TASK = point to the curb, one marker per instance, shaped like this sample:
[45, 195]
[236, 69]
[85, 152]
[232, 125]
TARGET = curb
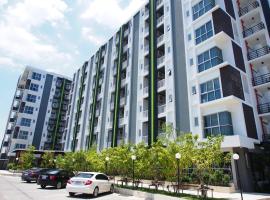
[11, 174]
[145, 195]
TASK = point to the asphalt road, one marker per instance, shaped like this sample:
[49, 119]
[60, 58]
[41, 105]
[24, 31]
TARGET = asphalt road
[12, 188]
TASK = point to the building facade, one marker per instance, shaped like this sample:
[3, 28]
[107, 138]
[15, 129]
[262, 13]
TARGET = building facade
[38, 112]
[134, 83]
[199, 65]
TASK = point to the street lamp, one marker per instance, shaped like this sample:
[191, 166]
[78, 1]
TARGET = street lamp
[133, 157]
[178, 156]
[106, 164]
[236, 158]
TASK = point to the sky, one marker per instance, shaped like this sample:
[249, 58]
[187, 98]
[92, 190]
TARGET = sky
[55, 35]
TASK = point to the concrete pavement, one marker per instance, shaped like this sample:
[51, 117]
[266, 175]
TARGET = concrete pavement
[12, 188]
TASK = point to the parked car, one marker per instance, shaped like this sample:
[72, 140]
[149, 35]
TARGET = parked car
[89, 183]
[54, 177]
[32, 174]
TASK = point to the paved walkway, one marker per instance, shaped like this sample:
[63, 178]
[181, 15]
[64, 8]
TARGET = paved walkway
[9, 173]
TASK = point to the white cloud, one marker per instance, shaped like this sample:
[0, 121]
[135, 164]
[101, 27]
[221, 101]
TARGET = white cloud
[109, 12]
[19, 46]
[89, 35]
[30, 13]
[3, 2]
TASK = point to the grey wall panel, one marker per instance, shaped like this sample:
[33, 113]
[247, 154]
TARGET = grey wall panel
[134, 78]
[180, 75]
[42, 111]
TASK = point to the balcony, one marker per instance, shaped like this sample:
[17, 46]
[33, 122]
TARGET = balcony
[160, 20]
[68, 87]
[124, 64]
[161, 83]
[58, 83]
[67, 97]
[145, 113]
[146, 68]
[159, 2]
[12, 119]
[55, 105]
[18, 96]
[248, 8]
[121, 120]
[126, 32]
[146, 30]
[15, 107]
[125, 48]
[262, 79]
[160, 39]
[50, 128]
[122, 101]
[263, 108]
[146, 48]
[9, 131]
[258, 52]
[5, 144]
[146, 14]
[160, 60]
[145, 90]
[249, 31]
[161, 109]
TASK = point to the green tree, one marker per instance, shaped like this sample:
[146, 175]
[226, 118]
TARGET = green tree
[27, 159]
[47, 160]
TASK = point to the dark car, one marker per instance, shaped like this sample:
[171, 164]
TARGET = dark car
[32, 174]
[54, 177]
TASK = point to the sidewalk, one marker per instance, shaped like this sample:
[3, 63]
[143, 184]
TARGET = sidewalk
[8, 173]
[231, 196]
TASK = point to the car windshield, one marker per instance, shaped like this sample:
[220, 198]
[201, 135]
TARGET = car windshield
[84, 175]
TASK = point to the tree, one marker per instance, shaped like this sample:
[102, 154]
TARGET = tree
[47, 160]
[27, 159]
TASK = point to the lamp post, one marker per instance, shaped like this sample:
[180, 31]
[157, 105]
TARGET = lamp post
[178, 156]
[133, 157]
[106, 164]
[236, 158]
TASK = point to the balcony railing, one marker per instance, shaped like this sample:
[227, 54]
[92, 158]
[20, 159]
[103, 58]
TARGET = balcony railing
[122, 101]
[249, 31]
[160, 20]
[263, 108]
[161, 109]
[159, 2]
[262, 79]
[146, 48]
[145, 90]
[146, 30]
[145, 113]
[160, 39]
[146, 68]
[160, 60]
[249, 7]
[161, 83]
[125, 48]
[258, 52]
[125, 64]
[121, 120]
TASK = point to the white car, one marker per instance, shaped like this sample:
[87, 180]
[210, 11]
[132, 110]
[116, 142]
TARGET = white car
[89, 183]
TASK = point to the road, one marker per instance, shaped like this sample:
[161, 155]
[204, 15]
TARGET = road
[12, 188]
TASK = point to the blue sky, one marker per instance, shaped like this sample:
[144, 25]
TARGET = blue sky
[55, 35]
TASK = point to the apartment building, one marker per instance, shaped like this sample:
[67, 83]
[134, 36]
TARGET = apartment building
[38, 112]
[133, 84]
[200, 65]
[227, 55]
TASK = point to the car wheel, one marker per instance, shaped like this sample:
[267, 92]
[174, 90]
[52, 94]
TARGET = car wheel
[112, 189]
[42, 186]
[95, 193]
[59, 185]
[71, 194]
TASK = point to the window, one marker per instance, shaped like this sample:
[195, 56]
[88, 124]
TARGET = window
[28, 110]
[36, 76]
[194, 90]
[34, 87]
[23, 135]
[209, 59]
[204, 32]
[202, 7]
[196, 121]
[26, 122]
[20, 146]
[218, 124]
[189, 37]
[31, 98]
[210, 90]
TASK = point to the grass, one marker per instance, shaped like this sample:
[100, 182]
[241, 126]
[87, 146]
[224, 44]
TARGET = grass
[182, 195]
